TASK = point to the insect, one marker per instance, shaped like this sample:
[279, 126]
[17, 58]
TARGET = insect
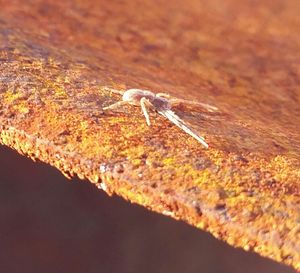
[162, 103]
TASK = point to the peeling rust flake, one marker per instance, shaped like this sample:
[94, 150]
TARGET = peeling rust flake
[60, 62]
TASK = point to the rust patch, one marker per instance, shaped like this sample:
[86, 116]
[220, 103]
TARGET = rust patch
[57, 60]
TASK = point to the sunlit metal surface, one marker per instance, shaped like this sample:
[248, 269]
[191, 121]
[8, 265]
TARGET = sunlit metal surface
[58, 60]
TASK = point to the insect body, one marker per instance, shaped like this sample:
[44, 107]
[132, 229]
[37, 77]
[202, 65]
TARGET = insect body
[162, 103]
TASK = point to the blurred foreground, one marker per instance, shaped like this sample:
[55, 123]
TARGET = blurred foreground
[49, 224]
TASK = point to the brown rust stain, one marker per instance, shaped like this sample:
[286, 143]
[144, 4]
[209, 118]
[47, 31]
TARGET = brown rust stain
[56, 60]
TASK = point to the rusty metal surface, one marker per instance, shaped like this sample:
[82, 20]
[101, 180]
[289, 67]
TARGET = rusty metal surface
[57, 59]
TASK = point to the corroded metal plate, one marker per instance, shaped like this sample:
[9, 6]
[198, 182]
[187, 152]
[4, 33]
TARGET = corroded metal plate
[59, 59]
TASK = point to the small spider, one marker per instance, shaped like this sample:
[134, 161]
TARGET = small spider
[162, 103]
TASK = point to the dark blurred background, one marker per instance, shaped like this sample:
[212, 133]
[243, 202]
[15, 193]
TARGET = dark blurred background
[50, 224]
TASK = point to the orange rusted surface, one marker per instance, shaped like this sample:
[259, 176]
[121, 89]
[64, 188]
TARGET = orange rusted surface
[57, 60]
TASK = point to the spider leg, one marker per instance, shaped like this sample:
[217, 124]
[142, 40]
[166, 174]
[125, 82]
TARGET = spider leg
[115, 105]
[145, 102]
[163, 95]
[171, 116]
[207, 107]
[115, 91]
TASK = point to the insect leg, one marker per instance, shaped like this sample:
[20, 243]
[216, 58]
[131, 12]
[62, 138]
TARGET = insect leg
[145, 102]
[171, 116]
